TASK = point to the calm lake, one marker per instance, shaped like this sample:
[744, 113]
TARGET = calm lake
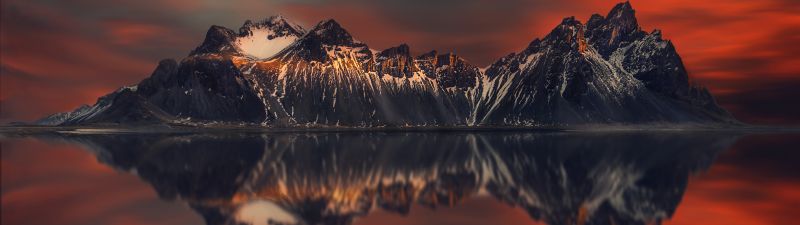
[401, 178]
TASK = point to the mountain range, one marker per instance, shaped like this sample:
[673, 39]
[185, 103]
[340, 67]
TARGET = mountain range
[274, 73]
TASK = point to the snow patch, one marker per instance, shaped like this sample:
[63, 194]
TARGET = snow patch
[263, 43]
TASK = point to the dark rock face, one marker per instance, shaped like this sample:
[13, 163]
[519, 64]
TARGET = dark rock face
[218, 40]
[618, 28]
[448, 69]
[60, 118]
[327, 37]
[454, 71]
[207, 87]
[122, 107]
[395, 61]
[159, 79]
[329, 32]
[656, 63]
[428, 63]
[607, 71]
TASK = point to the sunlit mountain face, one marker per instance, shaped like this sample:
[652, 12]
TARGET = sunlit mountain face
[337, 178]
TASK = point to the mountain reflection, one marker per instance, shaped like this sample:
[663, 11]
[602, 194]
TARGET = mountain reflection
[333, 178]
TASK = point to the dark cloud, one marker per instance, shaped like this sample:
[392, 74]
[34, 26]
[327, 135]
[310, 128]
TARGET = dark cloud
[456, 17]
[765, 55]
[54, 61]
[760, 80]
[688, 17]
[770, 101]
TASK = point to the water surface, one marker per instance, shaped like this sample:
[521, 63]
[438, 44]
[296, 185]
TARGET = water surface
[401, 178]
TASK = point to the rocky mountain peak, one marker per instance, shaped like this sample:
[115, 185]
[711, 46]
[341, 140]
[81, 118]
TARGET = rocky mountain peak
[623, 9]
[401, 50]
[396, 61]
[656, 33]
[569, 34]
[218, 39]
[595, 19]
[446, 59]
[427, 63]
[265, 38]
[279, 24]
[260, 39]
[566, 30]
[331, 33]
[454, 71]
[623, 17]
[618, 28]
[323, 41]
[570, 21]
[429, 55]
[450, 58]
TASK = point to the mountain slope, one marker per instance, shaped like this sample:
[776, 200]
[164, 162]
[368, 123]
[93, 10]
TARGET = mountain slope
[274, 73]
[607, 71]
[327, 77]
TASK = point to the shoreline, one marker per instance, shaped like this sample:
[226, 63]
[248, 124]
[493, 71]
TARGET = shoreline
[106, 129]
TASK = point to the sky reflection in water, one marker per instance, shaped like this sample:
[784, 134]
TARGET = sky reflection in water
[401, 178]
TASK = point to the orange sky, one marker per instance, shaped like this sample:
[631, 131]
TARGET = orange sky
[64, 184]
[752, 183]
[57, 55]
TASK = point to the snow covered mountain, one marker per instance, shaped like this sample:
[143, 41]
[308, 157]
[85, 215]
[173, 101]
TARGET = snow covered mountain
[274, 73]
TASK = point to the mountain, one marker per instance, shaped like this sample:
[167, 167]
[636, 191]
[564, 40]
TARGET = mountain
[274, 73]
[556, 178]
[605, 71]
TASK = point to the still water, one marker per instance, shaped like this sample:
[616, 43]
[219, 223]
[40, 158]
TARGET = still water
[402, 178]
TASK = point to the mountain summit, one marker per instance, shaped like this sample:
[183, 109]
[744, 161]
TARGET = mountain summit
[274, 73]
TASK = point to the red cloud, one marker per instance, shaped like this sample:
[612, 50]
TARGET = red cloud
[126, 32]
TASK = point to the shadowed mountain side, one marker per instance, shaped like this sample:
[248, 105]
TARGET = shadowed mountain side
[333, 178]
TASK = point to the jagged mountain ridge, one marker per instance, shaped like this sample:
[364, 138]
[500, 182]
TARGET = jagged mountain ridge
[605, 71]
